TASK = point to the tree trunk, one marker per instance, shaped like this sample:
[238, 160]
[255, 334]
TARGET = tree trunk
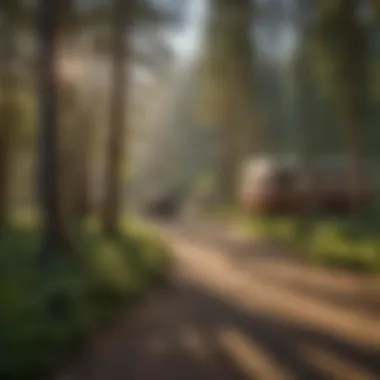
[304, 84]
[350, 122]
[351, 81]
[5, 151]
[345, 43]
[357, 61]
[229, 64]
[55, 238]
[84, 153]
[7, 116]
[6, 126]
[228, 161]
[117, 132]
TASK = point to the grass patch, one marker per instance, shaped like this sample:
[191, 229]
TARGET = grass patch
[44, 312]
[349, 243]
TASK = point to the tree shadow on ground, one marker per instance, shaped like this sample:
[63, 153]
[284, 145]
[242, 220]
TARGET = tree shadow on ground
[366, 299]
[246, 255]
[178, 336]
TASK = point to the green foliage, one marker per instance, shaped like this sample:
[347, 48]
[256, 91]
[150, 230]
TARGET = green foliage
[340, 48]
[45, 311]
[345, 243]
[226, 68]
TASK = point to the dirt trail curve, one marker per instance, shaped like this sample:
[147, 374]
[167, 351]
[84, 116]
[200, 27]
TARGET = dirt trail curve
[242, 311]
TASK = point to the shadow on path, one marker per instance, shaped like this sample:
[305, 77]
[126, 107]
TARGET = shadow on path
[188, 333]
[191, 331]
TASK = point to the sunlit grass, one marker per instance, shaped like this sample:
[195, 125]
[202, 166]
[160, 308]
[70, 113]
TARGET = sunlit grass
[341, 242]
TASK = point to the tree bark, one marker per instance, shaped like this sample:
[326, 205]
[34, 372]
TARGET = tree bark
[229, 65]
[345, 42]
[55, 237]
[310, 192]
[7, 114]
[5, 151]
[350, 122]
[228, 160]
[117, 129]
[84, 153]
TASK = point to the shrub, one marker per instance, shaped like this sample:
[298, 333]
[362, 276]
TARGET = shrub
[45, 311]
[346, 243]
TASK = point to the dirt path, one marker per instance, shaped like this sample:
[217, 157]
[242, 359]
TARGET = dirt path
[238, 311]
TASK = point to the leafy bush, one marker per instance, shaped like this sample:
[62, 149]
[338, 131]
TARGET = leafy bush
[342, 242]
[45, 311]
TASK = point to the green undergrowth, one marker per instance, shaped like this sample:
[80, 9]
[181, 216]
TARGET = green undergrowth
[45, 311]
[349, 243]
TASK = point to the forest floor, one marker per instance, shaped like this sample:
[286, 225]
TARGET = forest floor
[234, 309]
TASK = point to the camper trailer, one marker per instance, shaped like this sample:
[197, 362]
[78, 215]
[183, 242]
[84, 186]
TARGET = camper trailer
[285, 185]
